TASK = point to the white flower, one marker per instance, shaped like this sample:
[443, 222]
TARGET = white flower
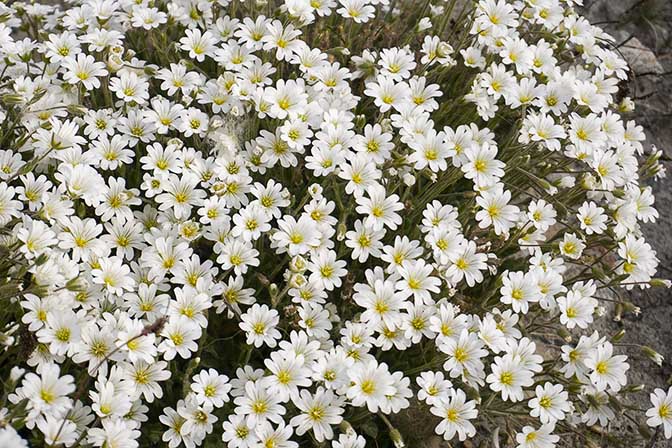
[180, 335]
[211, 387]
[198, 44]
[297, 236]
[550, 403]
[282, 39]
[318, 412]
[288, 373]
[433, 387]
[46, 393]
[464, 355]
[466, 264]
[382, 302]
[129, 87]
[277, 437]
[358, 10]
[364, 241]
[537, 438]
[56, 431]
[661, 411]
[417, 280]
[518, 290]
[259, 405]
[430, 150]
[84, 69]
[509, 377]
[455, 412]
[496, 210]
[259, 324]
[572, 246]
[576, 309]
[238, 433]
[481, 165]
[115, 432]
[381, 210]
[386, 93]
[286, 98]
[607, 370]
[371, 383]
[144, 378]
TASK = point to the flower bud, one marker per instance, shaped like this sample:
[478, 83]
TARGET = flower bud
[263, 279]
[424, 24]
[342, 229]
[12, 98]
[653, 355]
[564, 334]
[633, 388]
[114, 62]
[75, 285]
[360, 121]
[397, 439]
[660, 283]
[315, 191]
[298, 264]
[16, 373]
[41, 259]
[644, 431]
[347, 429]
[76, 109]
[297, 280]
[626, 105]
[618, 336]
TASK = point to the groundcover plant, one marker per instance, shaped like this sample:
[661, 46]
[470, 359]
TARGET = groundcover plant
[279, 224]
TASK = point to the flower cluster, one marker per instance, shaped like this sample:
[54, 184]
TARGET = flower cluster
[271, 222]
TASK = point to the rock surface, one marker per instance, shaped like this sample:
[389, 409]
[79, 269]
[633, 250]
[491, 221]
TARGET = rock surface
[645, 29]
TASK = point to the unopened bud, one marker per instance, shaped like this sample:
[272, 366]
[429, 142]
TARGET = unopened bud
[626, 105]
[598, 273]
[633, 388]
[618, 336]
[618, 312]
[176, 142]
[342, 229]
[397, 439]
[298, 264]
[75, 285]
[644, 431]
[653, 355]
[263, 279]
[360, 121]
[660, 283]
[76, 109]
[574, 388]
[16, 373]
[347, 429]
[41, 259]
[619, 193]
[564, 334]
[297, 280]
[12, 98]
[339, 51]
[613, 401]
